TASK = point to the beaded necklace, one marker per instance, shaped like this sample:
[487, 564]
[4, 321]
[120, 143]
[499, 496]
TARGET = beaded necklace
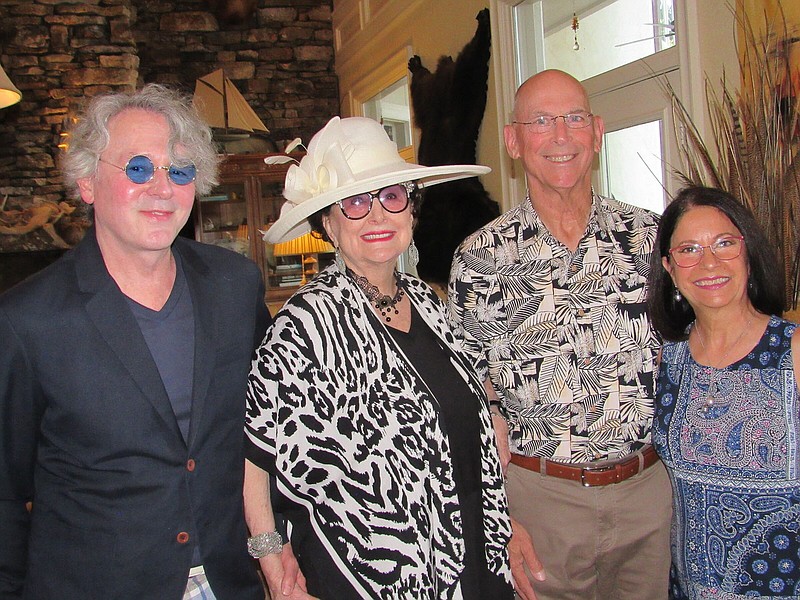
[383, 302]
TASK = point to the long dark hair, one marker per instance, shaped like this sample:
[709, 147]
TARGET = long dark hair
[765, 282]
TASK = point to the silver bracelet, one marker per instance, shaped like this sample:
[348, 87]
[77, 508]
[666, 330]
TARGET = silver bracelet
[262, 544]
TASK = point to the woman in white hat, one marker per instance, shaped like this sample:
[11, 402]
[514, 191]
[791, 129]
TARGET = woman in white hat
[361, 403]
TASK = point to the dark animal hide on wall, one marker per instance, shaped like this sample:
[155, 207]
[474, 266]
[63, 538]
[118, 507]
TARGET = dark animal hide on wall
[448, 109]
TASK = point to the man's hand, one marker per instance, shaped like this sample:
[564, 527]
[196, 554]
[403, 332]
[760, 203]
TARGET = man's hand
[284, 579]
[522, 554]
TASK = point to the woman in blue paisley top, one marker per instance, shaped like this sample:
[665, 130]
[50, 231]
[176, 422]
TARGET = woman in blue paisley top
[727, 420]
[361, 402]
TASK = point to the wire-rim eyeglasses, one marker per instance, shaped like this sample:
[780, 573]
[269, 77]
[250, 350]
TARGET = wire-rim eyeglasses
[393, 199]
[545, 123]
[689, 255]
[140, 169]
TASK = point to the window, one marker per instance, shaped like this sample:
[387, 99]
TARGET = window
[590, 37]
[631, 168]
[384, 95]
[390, 107]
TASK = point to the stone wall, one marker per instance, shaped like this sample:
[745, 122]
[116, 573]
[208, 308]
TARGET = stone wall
[60, 52]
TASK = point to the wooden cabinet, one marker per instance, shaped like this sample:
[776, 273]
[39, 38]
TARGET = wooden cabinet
[248, 199]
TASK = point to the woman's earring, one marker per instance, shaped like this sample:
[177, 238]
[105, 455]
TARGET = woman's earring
[339, 261]
[677, 295]
[413, 254]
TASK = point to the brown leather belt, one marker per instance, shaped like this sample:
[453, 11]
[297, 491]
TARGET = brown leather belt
[591, 474]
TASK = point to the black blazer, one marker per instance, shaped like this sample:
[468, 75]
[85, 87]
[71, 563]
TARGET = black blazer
[88, 434]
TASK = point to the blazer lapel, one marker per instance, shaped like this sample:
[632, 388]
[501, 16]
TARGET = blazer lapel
[108, 310]
[203, 302]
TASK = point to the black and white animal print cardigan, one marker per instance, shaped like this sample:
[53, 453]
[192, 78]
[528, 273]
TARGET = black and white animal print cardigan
[356, 439]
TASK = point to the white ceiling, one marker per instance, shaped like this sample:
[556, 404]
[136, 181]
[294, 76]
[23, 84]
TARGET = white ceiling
[558, 12]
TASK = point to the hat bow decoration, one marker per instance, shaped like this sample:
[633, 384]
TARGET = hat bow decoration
[316, 174]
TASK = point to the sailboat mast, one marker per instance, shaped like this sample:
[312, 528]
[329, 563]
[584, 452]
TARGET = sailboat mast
[225, 100]
[223, 106]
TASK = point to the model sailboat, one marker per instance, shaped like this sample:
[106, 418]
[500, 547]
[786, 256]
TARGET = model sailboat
[223, 107]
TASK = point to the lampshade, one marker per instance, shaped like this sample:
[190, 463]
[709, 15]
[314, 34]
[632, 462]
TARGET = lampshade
[9, 94]
[305, 244]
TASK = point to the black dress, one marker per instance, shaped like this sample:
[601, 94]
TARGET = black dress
[459, 414]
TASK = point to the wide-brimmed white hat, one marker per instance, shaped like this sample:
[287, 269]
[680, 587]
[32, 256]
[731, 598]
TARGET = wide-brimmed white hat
[348, 157]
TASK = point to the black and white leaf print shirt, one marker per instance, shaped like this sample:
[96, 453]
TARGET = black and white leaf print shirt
[563, 335]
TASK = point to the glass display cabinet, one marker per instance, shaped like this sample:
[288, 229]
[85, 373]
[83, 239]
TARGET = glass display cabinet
[246, 202]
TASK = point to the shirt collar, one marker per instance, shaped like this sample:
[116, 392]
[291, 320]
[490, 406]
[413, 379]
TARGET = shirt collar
[601, 217]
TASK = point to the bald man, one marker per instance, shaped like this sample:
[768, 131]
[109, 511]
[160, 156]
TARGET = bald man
[551, 299]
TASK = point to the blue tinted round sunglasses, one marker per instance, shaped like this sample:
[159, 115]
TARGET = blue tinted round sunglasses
[140, 169]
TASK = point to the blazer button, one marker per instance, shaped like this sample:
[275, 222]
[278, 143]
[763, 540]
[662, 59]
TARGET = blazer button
[190, 465]
[182, 537]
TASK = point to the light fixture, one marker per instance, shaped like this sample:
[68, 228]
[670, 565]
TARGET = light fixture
[64, 143]
[9, 94]
[64, 136]
[302, 246]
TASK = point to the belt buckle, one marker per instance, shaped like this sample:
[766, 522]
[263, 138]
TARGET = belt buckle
[597, 469]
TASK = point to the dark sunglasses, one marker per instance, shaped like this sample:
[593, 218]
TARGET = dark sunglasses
[140, 169]
[393, 198]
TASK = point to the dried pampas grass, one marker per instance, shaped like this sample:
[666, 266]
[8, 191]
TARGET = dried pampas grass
[752, 151]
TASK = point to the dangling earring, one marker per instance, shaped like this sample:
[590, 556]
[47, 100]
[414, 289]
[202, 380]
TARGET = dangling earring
[677, 295]
[413, 254]
[339, 261]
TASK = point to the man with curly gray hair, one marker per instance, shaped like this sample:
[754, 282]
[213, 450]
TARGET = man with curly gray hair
[189, 141]
[123, 378]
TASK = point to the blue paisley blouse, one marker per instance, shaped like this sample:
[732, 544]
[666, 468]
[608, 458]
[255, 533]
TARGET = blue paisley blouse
[734, 468]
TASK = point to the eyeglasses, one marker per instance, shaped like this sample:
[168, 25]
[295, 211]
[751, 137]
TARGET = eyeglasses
[393, 198]
[140, 169]
[688, 255]
[545, 123]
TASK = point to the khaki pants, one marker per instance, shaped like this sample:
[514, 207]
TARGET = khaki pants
[599, 543]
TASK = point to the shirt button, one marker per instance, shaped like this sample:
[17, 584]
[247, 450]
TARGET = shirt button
[182, 537]
[190, 465]
[586, 361]
[581, 312]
